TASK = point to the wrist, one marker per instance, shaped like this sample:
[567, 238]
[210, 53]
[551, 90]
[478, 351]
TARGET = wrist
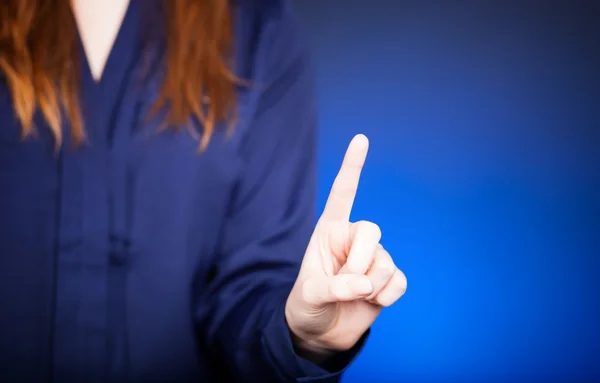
[310, 350]
[307, 346]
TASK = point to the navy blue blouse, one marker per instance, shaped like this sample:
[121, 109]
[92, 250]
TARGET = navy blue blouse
[136, 259]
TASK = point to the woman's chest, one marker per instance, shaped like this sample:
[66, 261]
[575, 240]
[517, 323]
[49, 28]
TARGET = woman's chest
[131, 180]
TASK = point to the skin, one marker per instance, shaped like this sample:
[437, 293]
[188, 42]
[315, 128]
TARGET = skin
[346, 277]
[98, 22]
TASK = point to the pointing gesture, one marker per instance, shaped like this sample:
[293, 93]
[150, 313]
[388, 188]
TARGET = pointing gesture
[346, 277]
[341, 198]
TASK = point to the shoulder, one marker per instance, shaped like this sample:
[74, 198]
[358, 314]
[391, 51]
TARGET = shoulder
[272, 55]
[265, 9]
[267, 35]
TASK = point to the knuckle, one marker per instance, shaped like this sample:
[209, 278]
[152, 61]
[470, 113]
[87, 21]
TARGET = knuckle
[383, 272]
[342, 190]
[394, 291]
[338, 288]
[385, 261]
[389, 271]
[308, 291]
[384, 257]
[333, 291]
[399, 283]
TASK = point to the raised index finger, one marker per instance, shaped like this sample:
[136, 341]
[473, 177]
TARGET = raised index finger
[342, 194]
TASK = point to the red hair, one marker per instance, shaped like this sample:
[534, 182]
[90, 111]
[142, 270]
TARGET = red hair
[39, 56]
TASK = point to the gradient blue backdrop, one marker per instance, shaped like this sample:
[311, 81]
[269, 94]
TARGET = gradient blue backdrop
[484, 173]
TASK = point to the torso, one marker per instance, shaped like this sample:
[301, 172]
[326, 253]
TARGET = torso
[101, 245]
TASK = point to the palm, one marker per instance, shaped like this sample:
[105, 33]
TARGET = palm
[346, 276]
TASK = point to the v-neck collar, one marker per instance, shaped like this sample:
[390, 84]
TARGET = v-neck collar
[101, 99]
[117, 51]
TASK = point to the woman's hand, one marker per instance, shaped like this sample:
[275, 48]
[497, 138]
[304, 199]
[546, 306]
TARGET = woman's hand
[346, 277]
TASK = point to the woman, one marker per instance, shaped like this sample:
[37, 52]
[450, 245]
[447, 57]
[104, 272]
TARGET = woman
[157, 163]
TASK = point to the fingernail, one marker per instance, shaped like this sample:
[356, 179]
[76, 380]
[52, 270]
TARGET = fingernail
[363, 287]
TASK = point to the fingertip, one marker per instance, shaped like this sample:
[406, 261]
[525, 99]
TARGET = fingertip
[361, 141]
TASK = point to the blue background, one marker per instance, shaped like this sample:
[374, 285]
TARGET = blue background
[484, 174]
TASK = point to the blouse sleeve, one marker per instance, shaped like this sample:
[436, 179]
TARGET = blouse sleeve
[270, 223]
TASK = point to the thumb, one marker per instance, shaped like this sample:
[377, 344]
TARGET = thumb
[337, 288]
